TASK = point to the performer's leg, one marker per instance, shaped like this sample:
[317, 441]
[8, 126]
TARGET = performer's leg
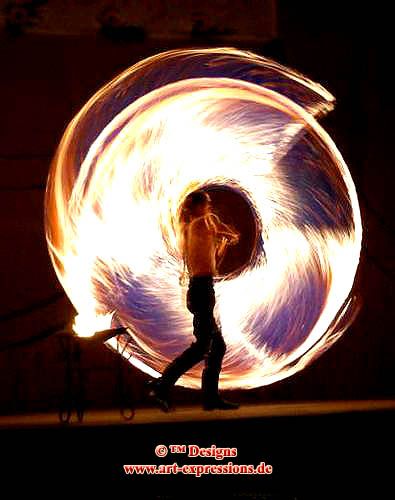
[211, 372]
[210, 346]
[192, 355]
[213, 365]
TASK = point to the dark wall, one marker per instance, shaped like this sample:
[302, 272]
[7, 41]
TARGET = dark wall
[347, 49]
[45, 80]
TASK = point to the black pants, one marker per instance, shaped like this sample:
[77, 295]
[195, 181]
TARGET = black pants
[209, 344]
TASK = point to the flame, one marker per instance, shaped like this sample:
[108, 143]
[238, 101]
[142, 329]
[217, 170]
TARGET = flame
[183, 120]
[86, 325]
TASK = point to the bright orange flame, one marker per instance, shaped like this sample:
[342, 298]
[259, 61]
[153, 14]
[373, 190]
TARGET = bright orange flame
[116, 214]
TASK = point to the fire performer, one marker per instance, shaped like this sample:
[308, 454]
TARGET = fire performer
[204, 241]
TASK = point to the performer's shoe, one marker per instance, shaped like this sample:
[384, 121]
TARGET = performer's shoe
[158, 395]
[220, 404]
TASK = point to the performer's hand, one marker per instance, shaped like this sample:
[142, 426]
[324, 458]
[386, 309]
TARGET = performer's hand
[223, 242]
[234, 239]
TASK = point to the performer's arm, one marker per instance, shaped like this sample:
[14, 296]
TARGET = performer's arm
[224, 230]
[220, 251]
[184, 272]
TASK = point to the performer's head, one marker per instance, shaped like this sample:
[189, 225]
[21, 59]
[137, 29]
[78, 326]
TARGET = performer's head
[196, 204]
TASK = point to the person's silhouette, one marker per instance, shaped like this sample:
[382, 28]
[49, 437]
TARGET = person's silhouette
[204, 241]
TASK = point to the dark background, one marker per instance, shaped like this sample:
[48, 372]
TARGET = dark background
[46, 79]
